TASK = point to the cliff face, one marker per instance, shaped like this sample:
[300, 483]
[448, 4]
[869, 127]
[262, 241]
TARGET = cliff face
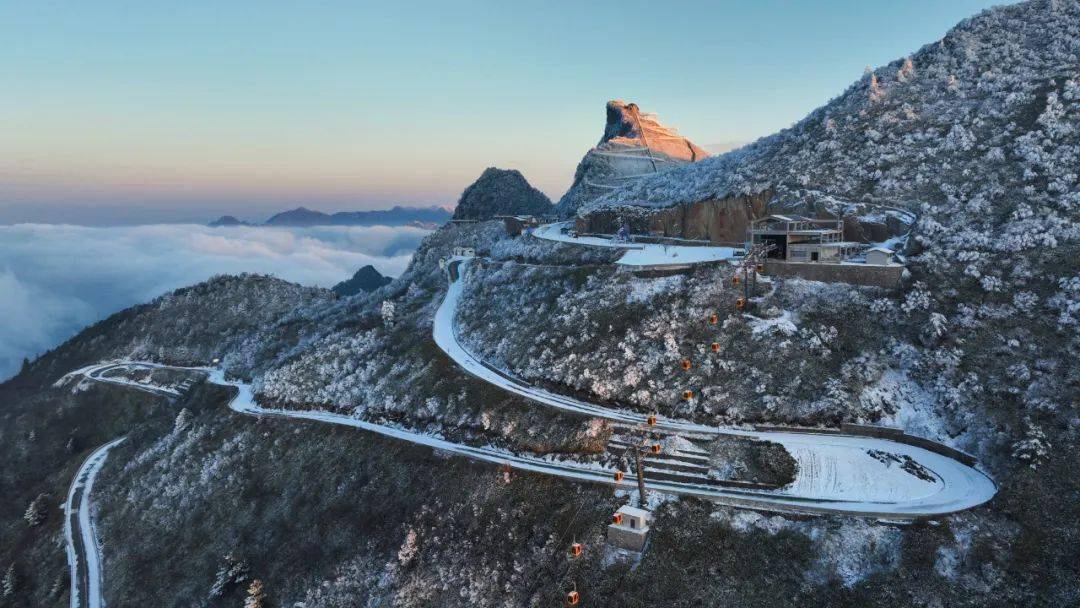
[634, 144]
[501, 192]
[718, 220]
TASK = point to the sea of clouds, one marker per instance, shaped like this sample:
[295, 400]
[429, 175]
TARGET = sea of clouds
[57, 279]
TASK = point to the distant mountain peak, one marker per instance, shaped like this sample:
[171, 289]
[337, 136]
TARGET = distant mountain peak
[227, 220]
[365, 279]
[301, 216]
[501, 192]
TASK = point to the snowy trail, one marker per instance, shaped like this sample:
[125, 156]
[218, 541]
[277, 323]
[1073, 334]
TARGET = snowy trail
[85, 572]
[836, 472]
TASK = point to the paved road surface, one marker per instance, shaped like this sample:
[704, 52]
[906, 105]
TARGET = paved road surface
[83, 552]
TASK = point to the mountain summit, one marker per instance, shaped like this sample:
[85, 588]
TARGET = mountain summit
[501, 192]
[635, 144]
[365, 279]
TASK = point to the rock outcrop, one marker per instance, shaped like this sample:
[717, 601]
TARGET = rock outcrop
[634, 144]
[501, 192]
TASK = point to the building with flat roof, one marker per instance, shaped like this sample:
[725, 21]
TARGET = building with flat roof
[795, 238]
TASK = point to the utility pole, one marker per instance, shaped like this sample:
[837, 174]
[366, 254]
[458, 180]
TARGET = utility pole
[640, 477]
[746, 285]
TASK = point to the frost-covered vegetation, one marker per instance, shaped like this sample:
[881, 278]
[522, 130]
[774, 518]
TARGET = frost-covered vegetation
[976, 134]
[622, 339]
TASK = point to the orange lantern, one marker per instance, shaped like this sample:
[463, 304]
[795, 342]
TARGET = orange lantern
[617, 519]
[686, 365]
[714, 319]
[651, 420]
[618, 476]
[740, 303]
[688, 395]
[656, 448]
[715, 347]
[575, 549]
[735, 280]
[572, 598]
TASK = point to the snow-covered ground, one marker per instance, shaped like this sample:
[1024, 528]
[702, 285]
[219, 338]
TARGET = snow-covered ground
[639, 254]
[88, 586]
[849, 473]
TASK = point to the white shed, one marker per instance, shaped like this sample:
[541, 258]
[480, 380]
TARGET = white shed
[629, 528]
[879, 256]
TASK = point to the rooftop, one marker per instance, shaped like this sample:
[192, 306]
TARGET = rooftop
[634, 511]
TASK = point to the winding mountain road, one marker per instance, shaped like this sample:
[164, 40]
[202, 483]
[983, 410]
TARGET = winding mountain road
[83, 552]
[853, 474]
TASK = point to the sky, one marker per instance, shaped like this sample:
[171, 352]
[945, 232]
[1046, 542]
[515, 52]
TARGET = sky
[143, 111]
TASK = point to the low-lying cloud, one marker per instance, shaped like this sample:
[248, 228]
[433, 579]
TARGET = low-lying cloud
[56, 279]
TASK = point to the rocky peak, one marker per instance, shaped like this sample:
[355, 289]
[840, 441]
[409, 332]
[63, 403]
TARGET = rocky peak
[628, 126]
[635, 144]
[501, 192]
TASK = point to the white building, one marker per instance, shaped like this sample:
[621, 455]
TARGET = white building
[629, 528]
[879, 256]
[465, 252]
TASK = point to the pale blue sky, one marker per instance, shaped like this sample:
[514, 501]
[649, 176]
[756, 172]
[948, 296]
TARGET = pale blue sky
[120, 112]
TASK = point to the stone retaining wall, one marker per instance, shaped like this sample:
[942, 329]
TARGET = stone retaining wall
[872, 275]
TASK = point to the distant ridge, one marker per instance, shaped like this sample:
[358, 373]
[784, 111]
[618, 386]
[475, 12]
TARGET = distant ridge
[421, 217]
[227, 220]
[397, 216]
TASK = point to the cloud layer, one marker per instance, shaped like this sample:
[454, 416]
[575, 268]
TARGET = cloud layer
[56, 279]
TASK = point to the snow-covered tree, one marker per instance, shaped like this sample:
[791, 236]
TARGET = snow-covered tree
[36, 511]
[233, 571]
[387, 311]
[183, 420]
[11, 582]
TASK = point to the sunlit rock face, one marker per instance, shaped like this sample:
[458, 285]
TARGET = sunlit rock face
[634, 144]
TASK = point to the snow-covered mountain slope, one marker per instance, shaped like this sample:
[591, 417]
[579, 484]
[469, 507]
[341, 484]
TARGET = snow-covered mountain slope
[978, 350]
[983, 113]
[634, 145]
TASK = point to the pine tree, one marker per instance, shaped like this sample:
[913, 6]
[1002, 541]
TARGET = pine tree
[11, 582]
[183, 420]
[387, 312]
[35, 513]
